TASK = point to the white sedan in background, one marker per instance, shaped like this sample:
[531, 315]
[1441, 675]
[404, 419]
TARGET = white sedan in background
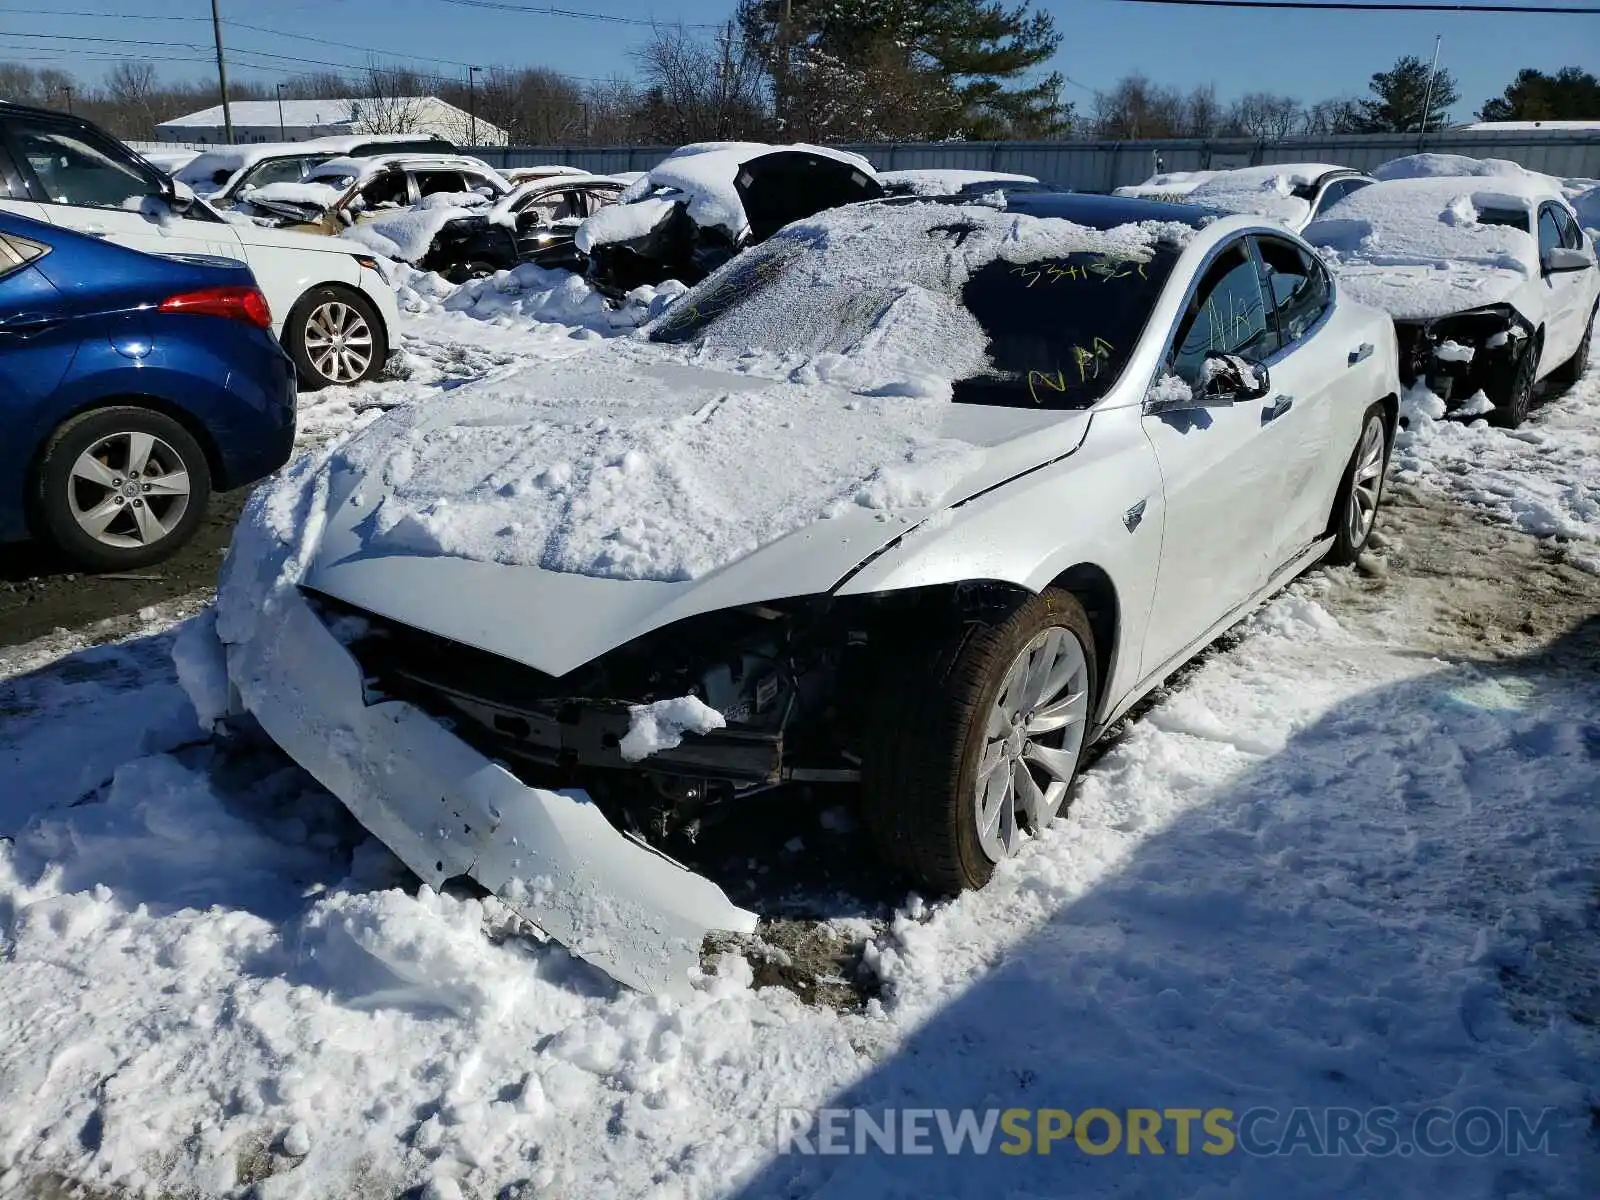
[1491, 282]
[915, 496]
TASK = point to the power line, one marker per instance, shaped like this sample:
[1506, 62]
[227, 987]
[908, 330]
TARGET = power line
[1371, 6]
[576, 14]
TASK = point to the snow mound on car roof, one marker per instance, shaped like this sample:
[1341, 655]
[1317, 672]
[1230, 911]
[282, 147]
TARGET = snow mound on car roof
[1418, 248]
[826, 393]
[1433, 166]
[1267, 191]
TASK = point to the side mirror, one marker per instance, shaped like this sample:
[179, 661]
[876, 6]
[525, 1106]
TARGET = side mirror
[1228, 379]
[1565, 258]
[180, 196]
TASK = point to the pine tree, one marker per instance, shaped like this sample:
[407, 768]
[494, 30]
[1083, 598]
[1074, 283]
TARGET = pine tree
[1571, 94]
[1400, 93]
[966, 61]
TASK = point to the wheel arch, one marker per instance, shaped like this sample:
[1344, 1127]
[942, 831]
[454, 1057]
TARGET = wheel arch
[1094, 588]
[192, 425]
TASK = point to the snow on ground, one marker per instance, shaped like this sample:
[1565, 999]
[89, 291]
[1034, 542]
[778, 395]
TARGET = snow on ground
[1540, 478]
[1274, 891]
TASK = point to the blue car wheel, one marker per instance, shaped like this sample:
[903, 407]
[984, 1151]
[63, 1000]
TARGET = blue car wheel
[121, 487]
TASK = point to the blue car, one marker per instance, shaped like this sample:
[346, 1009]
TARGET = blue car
[131, 385]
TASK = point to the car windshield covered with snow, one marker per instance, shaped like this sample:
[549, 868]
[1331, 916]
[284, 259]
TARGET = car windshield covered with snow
[1023, 308]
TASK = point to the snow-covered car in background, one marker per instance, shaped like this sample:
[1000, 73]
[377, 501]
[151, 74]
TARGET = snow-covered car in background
[918, 496]
[1294, 193]
[1168, 186]
[535, 224]
[533, 174]
[705, 202]
[942, 182]
[167, 160]
[331, 308]
[223, 176]
[1491, 283]
[341, 192]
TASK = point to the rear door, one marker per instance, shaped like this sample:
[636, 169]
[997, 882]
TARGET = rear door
[91, 183]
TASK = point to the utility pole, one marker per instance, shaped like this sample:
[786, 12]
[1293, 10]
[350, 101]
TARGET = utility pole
[1427, 96]
[780, 90]
[282, 137]
[66, 89]
[472, 105]
[222, 72]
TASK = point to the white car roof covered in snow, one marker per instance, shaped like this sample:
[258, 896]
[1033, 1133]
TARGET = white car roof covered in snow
[203, 167]
[1267, 191]
[1167, 184]
[1416, 247]
[363, 169]
[942, 182]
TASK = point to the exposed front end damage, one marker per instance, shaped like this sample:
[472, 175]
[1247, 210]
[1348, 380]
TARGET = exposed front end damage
[1463, 354]
[448, 810]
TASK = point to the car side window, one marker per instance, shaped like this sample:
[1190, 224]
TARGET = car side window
[74, 170]
[1571, 235]
[1331, 195]
[431, 183]
[1549, 231]
[386, 191]
[1297, 288]
[597, 200]
[1227, 315]
[17, 252]
[283, 170]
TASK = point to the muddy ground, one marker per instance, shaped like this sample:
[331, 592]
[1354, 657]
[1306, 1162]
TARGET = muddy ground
[39, 593]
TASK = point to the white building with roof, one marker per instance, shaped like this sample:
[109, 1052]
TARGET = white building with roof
[298, 120]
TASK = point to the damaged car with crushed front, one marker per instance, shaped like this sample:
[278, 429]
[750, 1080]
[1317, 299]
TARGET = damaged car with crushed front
[916, 498]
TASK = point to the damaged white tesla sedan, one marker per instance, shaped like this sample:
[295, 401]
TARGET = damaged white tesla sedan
[916, 496]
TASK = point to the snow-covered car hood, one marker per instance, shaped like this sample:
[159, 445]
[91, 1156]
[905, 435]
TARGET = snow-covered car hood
[1417, 248]
[619, 491]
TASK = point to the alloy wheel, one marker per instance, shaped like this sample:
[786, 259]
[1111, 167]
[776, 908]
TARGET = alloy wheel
[1032, 739]
[1367, 484]
[338, 342]
[128, 490]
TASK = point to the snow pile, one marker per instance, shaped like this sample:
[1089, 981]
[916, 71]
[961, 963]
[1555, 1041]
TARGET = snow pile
[534, 295]
[1276, 190]
[1434, 166]
[619, 465]
[661, 726]
[945, 182]
[313, 195]
[1168, 185]
[1418, 249]
[407, 235]
[1540, 478]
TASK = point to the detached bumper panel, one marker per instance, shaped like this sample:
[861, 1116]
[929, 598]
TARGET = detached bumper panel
[446, 810]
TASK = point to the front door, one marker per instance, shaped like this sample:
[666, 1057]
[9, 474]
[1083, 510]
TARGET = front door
[93, 185]
[1223, 486]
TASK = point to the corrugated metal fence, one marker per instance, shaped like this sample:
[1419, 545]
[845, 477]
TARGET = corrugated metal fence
[1101, 166]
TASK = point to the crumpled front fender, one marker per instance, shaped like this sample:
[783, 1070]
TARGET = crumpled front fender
[448, 811]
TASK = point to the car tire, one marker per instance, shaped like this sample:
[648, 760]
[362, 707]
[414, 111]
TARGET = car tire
[312, 336]
[1511, 388]
[1355, 508]
[942, 718]
[466, 272]
[1569, 372]
[91, 504]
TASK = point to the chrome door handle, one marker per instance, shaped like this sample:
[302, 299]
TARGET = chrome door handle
[1361, 353]
[1280, 405]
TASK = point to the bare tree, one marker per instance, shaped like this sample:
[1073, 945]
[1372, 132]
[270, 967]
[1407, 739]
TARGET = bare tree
[697, 90]
[1265, 115]
[1202, 112]
[131, 87]
[1331, 116]
[391, 101]
[1137, 108]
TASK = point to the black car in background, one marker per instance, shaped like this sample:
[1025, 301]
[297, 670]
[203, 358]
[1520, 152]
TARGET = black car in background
[534, 224]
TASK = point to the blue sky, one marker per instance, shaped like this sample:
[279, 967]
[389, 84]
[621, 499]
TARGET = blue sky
[1312, 55]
